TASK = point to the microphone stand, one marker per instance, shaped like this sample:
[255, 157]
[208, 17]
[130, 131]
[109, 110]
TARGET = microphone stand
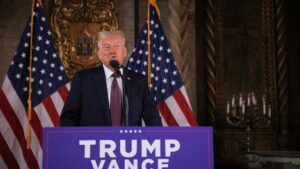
[125, 104]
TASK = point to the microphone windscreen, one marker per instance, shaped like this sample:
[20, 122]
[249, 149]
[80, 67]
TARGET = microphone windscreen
[114, 64]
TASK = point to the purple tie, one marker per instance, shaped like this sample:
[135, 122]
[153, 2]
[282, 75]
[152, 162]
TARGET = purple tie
[115, 102]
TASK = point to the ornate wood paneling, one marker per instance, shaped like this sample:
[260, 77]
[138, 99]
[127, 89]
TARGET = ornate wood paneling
[76, 24]
[245, 51]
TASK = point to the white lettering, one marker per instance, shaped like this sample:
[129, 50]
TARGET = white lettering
[95, 166]
[87, 147]
[171, 146]
[107, 147]
[145, 162]
[113, 165]
[147, 147]
[129, 165]
[162, 163]
[133, 151]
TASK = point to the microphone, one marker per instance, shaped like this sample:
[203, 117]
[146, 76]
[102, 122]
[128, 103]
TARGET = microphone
[114, 64]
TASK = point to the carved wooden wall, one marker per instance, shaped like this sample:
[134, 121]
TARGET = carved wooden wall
[75, 24]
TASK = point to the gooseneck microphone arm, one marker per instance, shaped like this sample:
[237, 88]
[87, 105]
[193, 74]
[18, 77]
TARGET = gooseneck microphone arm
[125, 105]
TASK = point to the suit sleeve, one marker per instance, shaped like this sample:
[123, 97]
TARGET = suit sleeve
[70, 115]
[150, 113]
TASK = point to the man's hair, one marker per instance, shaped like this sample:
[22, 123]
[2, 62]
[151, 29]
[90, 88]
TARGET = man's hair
[103, 34]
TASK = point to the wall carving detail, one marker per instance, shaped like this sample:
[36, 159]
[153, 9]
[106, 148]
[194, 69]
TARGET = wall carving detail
[76, 24]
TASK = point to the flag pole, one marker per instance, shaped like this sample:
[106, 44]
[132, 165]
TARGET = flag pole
[153, 2]
[29, 113]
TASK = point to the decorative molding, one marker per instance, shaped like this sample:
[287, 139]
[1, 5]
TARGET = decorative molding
[282, 68]
[211, 60]
[76, 24]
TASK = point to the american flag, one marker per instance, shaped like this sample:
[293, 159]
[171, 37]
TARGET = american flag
[49, 91]
[166, 84]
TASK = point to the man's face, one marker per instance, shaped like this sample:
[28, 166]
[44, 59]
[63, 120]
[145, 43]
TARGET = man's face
[112, 47]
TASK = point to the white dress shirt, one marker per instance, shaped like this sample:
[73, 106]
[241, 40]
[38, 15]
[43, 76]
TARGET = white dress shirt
[109, 79]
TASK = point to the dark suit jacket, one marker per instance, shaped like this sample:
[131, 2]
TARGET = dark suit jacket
[87, 102]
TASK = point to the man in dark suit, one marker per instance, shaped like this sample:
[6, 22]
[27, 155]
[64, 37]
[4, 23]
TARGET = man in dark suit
[95, 98]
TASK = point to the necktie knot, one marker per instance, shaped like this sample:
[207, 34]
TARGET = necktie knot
[115, 75]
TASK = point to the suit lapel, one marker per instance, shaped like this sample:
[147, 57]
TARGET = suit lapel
[100, 82]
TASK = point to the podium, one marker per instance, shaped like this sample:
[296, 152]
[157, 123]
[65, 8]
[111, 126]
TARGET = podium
[128, 148]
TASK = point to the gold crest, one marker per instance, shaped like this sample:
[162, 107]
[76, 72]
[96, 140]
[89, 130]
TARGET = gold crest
[76, 24]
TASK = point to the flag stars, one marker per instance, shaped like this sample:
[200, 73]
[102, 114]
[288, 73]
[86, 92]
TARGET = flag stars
[39, 92]
[157, 68]
[131, 60]
[144, 73]
[40, 38]
[60, 78]
[28, 34]
[51, 74]
[41, 28]
[18, 76]
[33, 69]
[46, 52]
[12, 63]
[138, 62]
[162, 38]
[166, 70]
[159, 58]
[145, 31]
[161, 48]
[133, 50]
[145, 63]
[167, 60]
[25, 89]
[156, 26]
[152, 75]
[37, 48]
[152, 22]
[61, 68]
[20, 65]
[43, 19]
[49, 32]
[165, 80]
[163, 90]
[41, 82]
[47, 42]
[143, 41]
[42, 71]
[146, 53]
[54, 55]
[26, 45]
[174, 72]
[44, 61]
[52, 65]
[140, 51]
[35, 59]
[173, 83]
[50, 84]
[156, 78]
[23, 55]
[153, 65]
[169, 50]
